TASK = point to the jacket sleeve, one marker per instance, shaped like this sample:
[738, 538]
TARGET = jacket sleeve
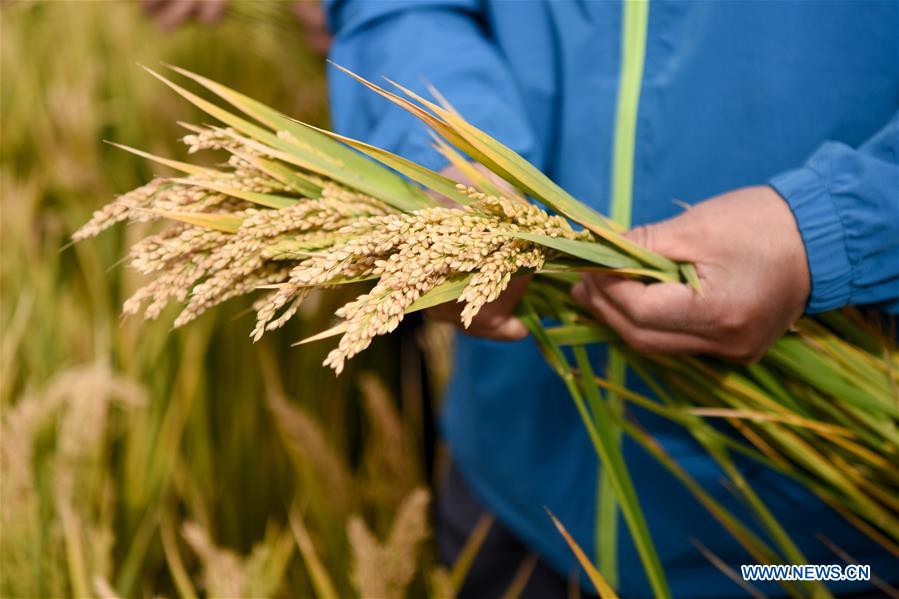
[416, 42]
[846, 203]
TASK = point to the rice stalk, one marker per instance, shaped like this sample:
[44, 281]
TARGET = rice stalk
[306, 440]
[80, 535]
[60, 309]
[439, 584]
[386, 569]
[321, 581]
[295, 211]
[224, 574]
[470, 549]
[388, 449]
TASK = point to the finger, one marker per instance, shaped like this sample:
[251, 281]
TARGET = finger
[210, 11]
[663, 306]
[498, 326]
[508, 328]
[494, 320]
[310, 14]
[508, 300]
[152, 6]
[648, 340]
[672, 238]
[174, 14]
[319, 42]
[315, 28]
[643, 340]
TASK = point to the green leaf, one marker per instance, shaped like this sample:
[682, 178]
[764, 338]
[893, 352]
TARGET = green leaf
[315, 162]
[441, 294]
[184, 167]
[585, 250]
[592, 252]
[516, 170]
[227, 223]
[268, 200]
[470, 550]
[580, 334]
[468, 169]
[811, 367]
[318, 574]
[425, 176]
[308, 135]
[284, 175]
[688, 271]
[571, 267]
[609, 453]
[764, 416]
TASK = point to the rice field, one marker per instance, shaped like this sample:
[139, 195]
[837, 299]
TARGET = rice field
[294, 213]
[137, 462]
[145, 460]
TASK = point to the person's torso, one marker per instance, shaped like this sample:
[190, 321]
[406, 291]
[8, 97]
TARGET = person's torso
[732, 94]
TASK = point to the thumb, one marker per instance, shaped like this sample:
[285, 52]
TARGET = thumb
[667, 237]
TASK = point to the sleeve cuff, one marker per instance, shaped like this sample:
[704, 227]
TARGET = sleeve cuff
[805, 191]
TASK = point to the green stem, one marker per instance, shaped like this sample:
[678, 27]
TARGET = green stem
[634, 23]
[607, 449]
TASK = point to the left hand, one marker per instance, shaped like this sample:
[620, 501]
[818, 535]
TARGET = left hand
[496, 320]
[752, 265]
[170, 14]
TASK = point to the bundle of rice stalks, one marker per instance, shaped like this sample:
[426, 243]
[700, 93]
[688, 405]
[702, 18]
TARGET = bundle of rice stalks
[821, 407]
[297, 209]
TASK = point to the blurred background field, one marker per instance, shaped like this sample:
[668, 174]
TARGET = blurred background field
[141, 462]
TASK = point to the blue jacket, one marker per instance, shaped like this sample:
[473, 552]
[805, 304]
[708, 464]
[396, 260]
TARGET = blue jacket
[800, 95]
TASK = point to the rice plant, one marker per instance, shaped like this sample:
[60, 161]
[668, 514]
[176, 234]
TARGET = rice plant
[297, 209]
[188, 432]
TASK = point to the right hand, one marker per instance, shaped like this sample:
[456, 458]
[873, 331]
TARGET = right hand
[495, 320]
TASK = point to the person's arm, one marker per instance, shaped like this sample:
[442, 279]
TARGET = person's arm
[846, 202]
[819, 237]
[415, 42]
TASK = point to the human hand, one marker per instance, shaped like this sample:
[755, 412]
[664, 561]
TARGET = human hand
[752, 265]
[169, 14]
[312, 19]
[494, 320]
